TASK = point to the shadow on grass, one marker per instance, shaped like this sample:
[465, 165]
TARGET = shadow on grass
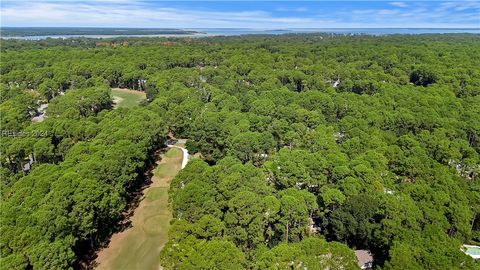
[87, 259]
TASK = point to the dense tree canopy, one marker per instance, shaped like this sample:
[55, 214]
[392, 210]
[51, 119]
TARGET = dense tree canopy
[309, 146]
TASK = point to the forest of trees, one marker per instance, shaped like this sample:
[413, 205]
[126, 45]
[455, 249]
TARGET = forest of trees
[309, 146]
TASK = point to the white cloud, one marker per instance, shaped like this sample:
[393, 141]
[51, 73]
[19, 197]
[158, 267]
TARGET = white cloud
[460, 6]
[372, 13]
[128, 15]
[109, 13]
[399, 4]
[283, 9]
[387, 12]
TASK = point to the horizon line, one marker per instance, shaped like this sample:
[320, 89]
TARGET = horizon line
[270, 28]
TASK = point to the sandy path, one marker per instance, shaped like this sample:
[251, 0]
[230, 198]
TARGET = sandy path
[138, 247]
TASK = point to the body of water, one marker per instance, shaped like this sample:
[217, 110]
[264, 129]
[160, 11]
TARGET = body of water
[369, 31]
[206, 32]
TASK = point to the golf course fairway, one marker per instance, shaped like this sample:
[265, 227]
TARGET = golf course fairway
[138, 247]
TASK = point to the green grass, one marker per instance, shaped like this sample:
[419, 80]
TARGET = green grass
[164, 170]
[173, 153]
[167, 169]
[128, 99]
[144, 254]
[156, 193]
[140, 247]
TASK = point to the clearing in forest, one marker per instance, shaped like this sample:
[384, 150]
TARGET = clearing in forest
[138, 247]
[126, 97]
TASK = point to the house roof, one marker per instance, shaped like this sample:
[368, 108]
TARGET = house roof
[363, 256]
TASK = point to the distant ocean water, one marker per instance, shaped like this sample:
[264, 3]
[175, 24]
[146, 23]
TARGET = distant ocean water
[369, 31]
[206, 32]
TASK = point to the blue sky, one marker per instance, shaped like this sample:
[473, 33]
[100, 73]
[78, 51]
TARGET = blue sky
[240, 14]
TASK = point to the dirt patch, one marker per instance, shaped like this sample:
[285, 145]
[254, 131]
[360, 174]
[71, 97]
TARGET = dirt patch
[129, 91]
[117, 100]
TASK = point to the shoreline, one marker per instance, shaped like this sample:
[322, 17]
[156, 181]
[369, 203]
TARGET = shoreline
[212, 32]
